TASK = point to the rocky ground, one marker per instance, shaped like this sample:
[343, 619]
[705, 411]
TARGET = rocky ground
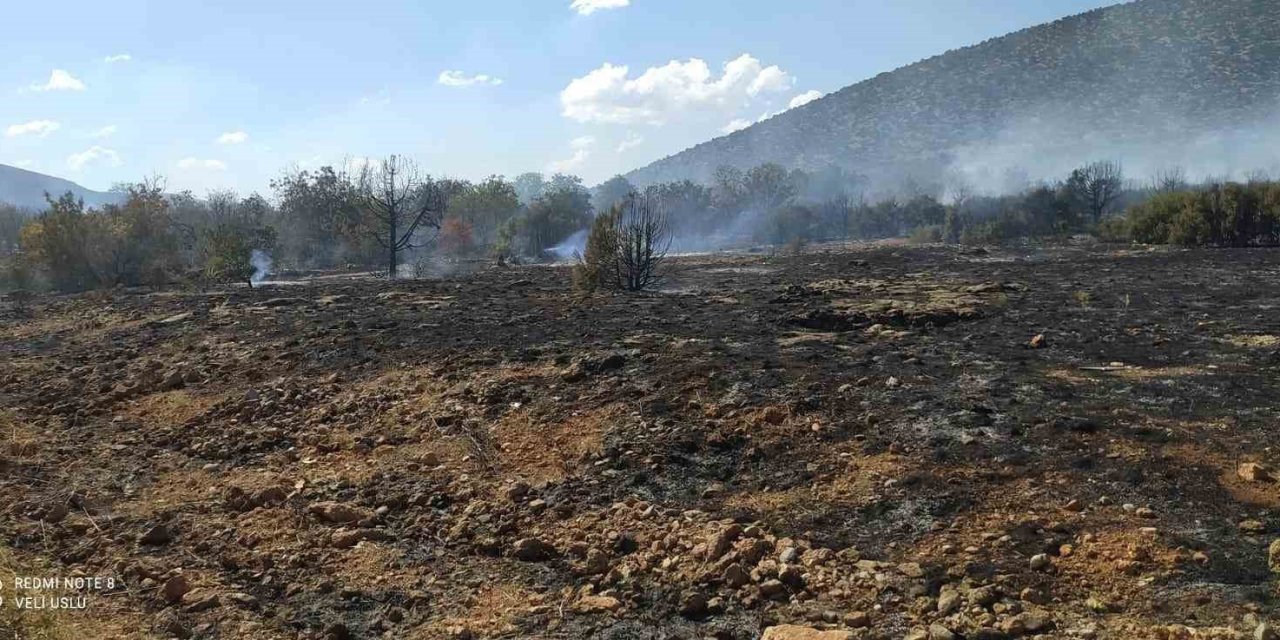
[872, 443]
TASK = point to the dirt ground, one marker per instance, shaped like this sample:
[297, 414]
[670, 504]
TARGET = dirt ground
[891, 442]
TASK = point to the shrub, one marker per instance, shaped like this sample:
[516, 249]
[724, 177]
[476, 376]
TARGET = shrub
[597, 265]
[1228, 214]
[626, 248]
[930, 234]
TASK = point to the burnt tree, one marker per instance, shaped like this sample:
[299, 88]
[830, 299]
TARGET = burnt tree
[402, 200]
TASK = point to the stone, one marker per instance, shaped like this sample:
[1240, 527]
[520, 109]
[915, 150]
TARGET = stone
[857, 620]
[1266, 632]
[337, 631]
[792, 576]
[532, 550]
[168, 622]
[1036, 342]
[735, 576]
[157, 535]
[948, 602]
[175, 588]
[773, 589]
[1255, 472]
[517, 490]
[597, 604]
[340, 513]
[693, 605]
[202, 603]
[939, 632]
[983, 596]
[1040, 562]
[794, 632]
[1274, 557]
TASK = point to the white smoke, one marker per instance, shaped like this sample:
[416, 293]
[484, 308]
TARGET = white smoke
[261, 262]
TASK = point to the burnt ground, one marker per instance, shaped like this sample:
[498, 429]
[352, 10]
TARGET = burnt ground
[1014, 442]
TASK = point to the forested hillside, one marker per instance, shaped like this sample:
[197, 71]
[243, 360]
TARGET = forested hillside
[1147, 82]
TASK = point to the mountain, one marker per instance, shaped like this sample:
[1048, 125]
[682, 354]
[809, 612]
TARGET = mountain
[26, 189]
[1154, 83]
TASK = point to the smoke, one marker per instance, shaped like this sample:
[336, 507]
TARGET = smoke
[1036, 149]
[571, 247]
[261, 262]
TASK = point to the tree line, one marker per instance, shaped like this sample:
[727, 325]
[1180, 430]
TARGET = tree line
[391, 217]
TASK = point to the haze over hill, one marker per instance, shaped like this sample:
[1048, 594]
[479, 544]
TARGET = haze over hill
[1153, 83]
[26, 189]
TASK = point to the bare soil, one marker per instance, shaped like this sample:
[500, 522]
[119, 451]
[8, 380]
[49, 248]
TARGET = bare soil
[879, 442]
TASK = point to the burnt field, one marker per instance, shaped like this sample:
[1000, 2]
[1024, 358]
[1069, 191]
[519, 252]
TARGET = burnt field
[878, 443]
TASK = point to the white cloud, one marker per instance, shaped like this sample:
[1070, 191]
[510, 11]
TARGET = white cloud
[452, 78]
[120, 57]
[60, 80]
[799, 101]
[197, 163]
[632, 141]
[93, 155]
[233, 137]
[105, 132]
[588, 7]
[804, 98]
[608, 94]
[23, 164]
[581, 152]
[40, 128]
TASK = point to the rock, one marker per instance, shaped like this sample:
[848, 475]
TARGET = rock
[346, 538]
[597, 563]
[167, 621]
[1252, 527]
[1040, 562]
[337, 631]
[203, 603]
[792, 577]
[948, 602]
[722, 541]
[268, 496]
[340, 513]
[793, 632]
[1274, 557]
[157, 535]
[939, 632]
[694, 605]
[1074, 506]
[517, 490]
[597, 604]
[242, 600]
[987, 633]
[532, 550]
[773, 589]
[983, 596]
[735, 576]
[1255, 472]
[1037, 341]
[175, 588]
[857, 620]
[1025, 623]
[1266, 632]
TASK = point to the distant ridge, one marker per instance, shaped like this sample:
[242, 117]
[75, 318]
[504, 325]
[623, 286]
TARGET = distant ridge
[26, 189]
[1154, 81]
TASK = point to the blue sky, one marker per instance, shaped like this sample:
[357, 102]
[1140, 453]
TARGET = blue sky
[228, 93]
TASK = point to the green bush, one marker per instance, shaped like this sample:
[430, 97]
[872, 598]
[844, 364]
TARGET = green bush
[1230, 214]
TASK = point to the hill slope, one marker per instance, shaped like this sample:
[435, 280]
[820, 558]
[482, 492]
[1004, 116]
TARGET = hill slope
[26, 189]
[1153, 82]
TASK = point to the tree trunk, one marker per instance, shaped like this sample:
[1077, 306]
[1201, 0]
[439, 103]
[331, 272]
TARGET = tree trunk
[391, 247]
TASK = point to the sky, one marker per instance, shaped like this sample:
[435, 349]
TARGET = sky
[231, 93]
